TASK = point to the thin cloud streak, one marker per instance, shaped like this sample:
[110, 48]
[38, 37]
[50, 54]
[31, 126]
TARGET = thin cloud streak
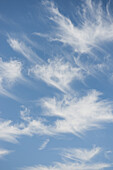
[9, 132]
[44, 144]
[4, 152]
[23, 49]
[72, 166]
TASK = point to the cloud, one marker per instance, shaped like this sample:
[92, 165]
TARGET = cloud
[25, 113]
[108, 154]
[44, 144]
[23, 49]
[72, 166]
[76, 115]
[37, 127]
[11, 70]
[72, 115]
[93, 26]
[40, 34]
[10, 73]
[57, 73]
[83, 155]
[4, 152]
[84, 164]
[9, 132]
[93, 68]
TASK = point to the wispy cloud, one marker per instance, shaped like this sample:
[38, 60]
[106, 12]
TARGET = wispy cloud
[40, 34]
[25, 113]
[108, 154]
[88, 34]
[10, 73]
[4, 152]
[72, 166]
[68, 112]
[44, 144]
[82, 155]
[72, 115]
[77, 115]
[94, 26]
[94, 67]
[85, 163]
[22, 48]
[9, 132]
[11, 70]
[57, 73]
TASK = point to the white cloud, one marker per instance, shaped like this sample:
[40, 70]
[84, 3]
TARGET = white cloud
[37, 127]
[82, 154]
[93, 68]
[4, 152]
[40, 34]
[25, 113]
[72, 115]
[23, 49]
[11, 70]
[10, 73]
[44, 144]
[72, 166]
[94, 27]
[9, 132]
[77, 115]
[57, 73]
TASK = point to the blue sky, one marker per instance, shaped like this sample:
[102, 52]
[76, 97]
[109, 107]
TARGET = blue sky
[56, 84]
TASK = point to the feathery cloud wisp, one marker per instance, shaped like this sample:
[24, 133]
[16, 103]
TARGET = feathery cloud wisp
[72, 166]
[23, 49]
[10, 72]
[72, 115]
[44, 144]
[4, 152]
[84, 164]
[10, 131]
[57, 73]
[77, 115]
[82, 155]
[94, 27]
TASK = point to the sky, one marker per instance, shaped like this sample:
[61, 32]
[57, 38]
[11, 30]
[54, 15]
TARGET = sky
[56, 85]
